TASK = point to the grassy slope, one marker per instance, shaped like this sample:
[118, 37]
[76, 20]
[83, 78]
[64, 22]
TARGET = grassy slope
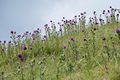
[92, 63]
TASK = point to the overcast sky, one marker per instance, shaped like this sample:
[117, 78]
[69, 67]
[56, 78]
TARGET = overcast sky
[27, 15]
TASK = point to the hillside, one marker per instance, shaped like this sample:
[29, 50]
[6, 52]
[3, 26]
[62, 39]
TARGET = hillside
[75, 52]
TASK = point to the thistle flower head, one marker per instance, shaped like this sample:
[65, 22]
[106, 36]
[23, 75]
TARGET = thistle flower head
[20, 56]
[24, 47]
[64, 47]
[45, 36]
[117, 15]
[12, 32]
[103, 38]
[0, 41]
[18, 36]
[4, 42]
[118, 30]
[72, 39]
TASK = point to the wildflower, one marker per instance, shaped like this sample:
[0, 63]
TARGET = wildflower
[30, 48]
[46, 25]
[94, 12]
[64, 47]
[58, 23]
[103, 38]
[18, 36]
[75, 16]
[24, 47]
[103, 11]
[33, 39]
[85, 39]
[118, 31]
[100, 20]
[96, 23]
[4, 42]
[72, 39]
[12, 32]
[84, 12]
[38, 29]
[63, 17]
[9, 42]
[27, 32]
[60, 29]
[45, 36]
[110, 6]
[20, 56]
[95, 29]
[117, 15]
[81, 13]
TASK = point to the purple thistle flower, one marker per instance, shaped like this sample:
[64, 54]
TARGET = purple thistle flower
[72, 39]
[24, 47]
[110, 6]
[9, 42]
[117, 15]
[0, 42]
[51, 21]
[4, 42]
[45, 36]
[118, 31]
[27, 32]
[103, 38]
[78, 15]
[30, 48]
[81, 13]
[46, 25]
[64, 47]
[84, 12]
[60, 29]
[18, 36]
[63, 17]
[12, 32]
[20, 56]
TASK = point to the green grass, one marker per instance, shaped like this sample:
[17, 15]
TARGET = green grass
[92, 63]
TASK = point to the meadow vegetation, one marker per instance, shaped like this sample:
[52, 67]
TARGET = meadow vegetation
[77, 51]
